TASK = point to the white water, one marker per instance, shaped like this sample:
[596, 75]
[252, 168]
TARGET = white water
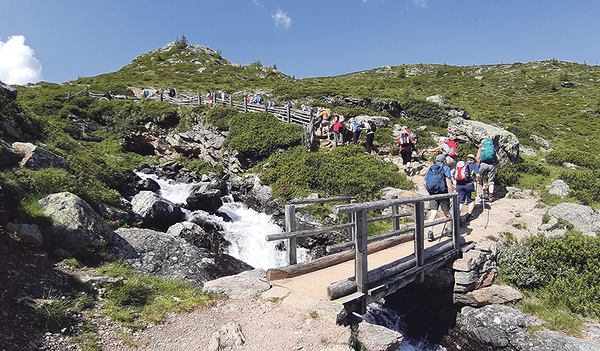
[245, 233]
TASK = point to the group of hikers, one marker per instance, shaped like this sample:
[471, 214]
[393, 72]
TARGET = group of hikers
[334, 126]
[450, 173]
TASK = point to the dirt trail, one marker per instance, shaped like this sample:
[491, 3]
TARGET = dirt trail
[282, 319]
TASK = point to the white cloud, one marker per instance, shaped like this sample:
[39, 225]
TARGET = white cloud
[281, 19]
[17, 63]
[257, 2]
[421, 3]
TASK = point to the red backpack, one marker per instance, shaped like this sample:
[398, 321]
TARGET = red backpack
[453, 150]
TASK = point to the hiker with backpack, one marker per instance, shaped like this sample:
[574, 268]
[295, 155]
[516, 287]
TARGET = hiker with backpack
[339, 129]
[465, 174]
[438, 180]
[370, 128]
[487, 159]
[448, 149]
[356, 129]
[406, 144]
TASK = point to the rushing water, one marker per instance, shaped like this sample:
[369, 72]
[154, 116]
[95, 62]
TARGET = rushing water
[245, 233]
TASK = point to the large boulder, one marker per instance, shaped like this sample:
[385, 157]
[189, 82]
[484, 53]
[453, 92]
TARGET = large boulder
[8, 91]
[75, 223]
[8, 156]
[152, 252]
[499, 327]
[205, 200]
[583, 218]
[469, 131]
[37, 158]
[155, 211]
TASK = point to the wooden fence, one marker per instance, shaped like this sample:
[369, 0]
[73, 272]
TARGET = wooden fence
[369, 286]
[283, 113]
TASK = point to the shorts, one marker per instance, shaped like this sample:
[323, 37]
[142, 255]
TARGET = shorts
[489, 169]
[466, 193]
[444, 204]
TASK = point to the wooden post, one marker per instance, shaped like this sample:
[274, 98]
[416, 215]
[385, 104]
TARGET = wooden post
[419, 232]
[199, 99]
[161, 96]
[361, 266]
[395, 212]
[266, 106]
[290, 226]
[230, 100]
[289, 114]
[351, 219]
[245, 105]
[455, 221]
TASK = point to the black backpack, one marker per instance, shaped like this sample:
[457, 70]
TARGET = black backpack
[372, 126]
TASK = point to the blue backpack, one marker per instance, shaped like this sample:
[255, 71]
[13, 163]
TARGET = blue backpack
[435, 180]
[488, 153]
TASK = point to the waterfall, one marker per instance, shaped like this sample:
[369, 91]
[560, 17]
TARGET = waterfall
[245, 233]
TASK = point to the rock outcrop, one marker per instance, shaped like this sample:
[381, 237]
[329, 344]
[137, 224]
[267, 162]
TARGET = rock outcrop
[583, 218]
[152, 252]
[507, 144]
[75, 223]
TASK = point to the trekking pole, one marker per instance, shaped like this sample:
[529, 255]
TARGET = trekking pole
[487, 218]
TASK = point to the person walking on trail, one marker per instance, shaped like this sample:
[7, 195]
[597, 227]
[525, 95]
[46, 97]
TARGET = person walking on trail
[448, 149]
[339, 128]
[406, 144]
[356, 129]
[370, 128]
[465, 174]
[438, 180]
[487, 159]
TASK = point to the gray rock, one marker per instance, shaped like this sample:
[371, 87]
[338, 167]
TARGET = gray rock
[378, 338]
[208, 200]
[240, 286]
[8, 156]
[155, 211]
[466, 278]
[583, 218]
[8, 91]
[495, 294]
[559, 187]
[74, 222]
[37, 158]
[11, 130]
[506, 143]
[192, 233]
[152, 252]
[543, 142]
[438, 99]
[29, 233]
[380, 121]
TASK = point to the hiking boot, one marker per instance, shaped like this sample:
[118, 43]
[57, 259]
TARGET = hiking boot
[430, 236]
[447, 232]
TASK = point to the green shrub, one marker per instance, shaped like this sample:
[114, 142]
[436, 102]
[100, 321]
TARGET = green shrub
[565, 270]
[55, 314]
[258, 134]
[220, 117]
[509, 173]
[585, 185]
[425, 113]
[578, 157]
[343, 171]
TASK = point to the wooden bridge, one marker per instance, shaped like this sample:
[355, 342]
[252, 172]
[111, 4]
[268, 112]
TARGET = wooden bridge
[372, 281]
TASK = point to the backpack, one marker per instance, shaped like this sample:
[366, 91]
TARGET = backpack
[357, 127]
[435, 180]
[453, 150]
[339, 126]
[488, 153]
[372, 126]
[463, 173]
[404, 139]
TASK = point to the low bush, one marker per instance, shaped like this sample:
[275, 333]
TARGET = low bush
[585, 185]
[258, 134]
[220, 117]
[578, 157]
[510, 173]
[343, 171]
[565, 270]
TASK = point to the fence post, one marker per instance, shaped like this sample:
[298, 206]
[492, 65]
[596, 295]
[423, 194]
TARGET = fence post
[161, 96]
[266, 106]
[360, 269]
[290, 226]
[395, 212]
[419, 232]
[199, 99]
[245, 105]
[289, 113]
[230, 100]
[351, 219]
[455, 221]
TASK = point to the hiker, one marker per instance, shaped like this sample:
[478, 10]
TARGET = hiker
[438, 180]
[287, 104]
[448, 149]
[339, 129]
[406, 144]
[223, 96]
[271, 103]
[465, 174]
[208, 97]
[370, 128]
[356, 129]
[487, 159]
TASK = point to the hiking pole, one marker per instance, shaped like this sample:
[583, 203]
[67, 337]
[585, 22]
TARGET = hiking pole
[487, 218]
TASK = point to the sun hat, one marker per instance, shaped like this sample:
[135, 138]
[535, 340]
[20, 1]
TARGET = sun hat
[470, 156]
[440, 158]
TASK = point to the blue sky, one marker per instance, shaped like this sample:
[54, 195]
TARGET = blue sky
[61, 40]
